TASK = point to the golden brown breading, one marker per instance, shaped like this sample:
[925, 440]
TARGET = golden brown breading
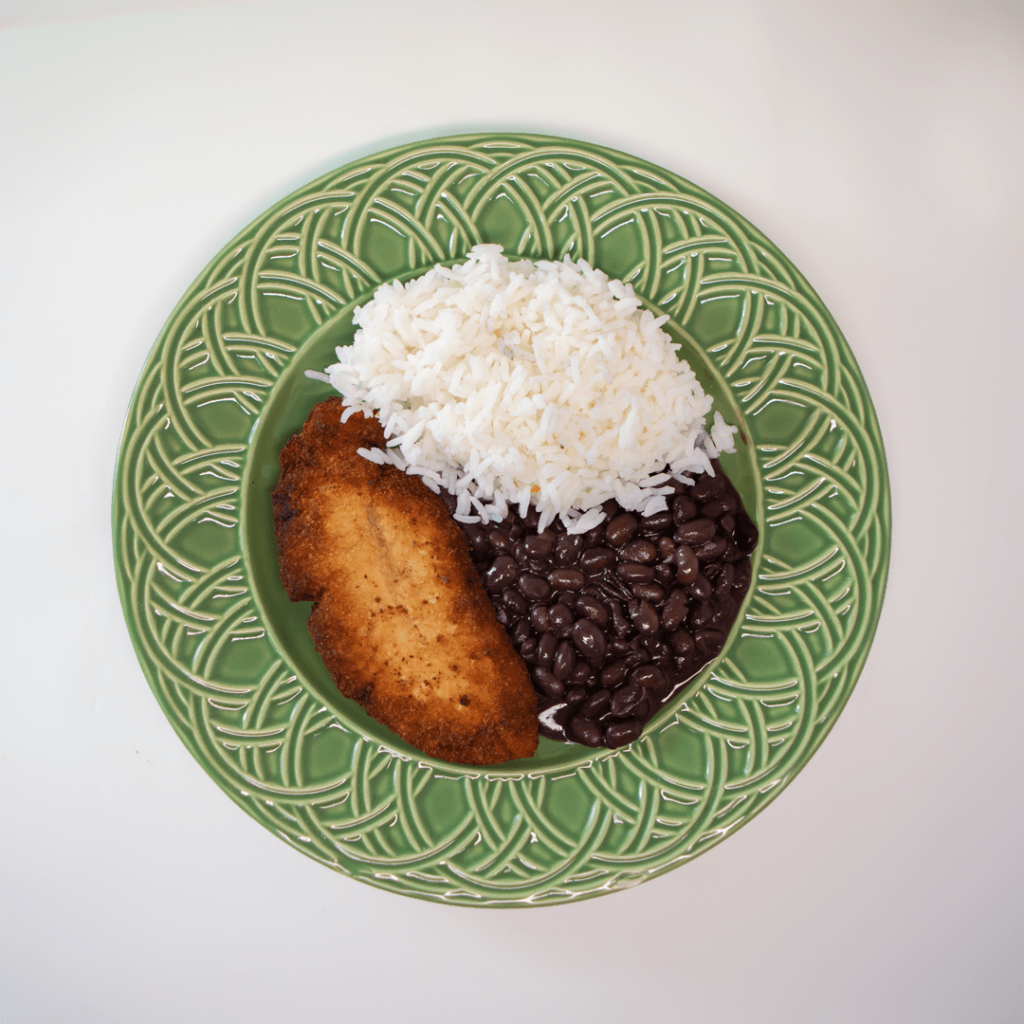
[400, 618]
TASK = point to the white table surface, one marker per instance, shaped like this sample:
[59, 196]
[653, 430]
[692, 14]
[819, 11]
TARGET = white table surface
[878, 145]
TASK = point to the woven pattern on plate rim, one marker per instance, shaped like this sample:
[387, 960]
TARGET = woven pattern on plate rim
[415, 826]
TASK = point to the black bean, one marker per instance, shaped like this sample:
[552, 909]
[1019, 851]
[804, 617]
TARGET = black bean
[682, 573]
[478, 539]
[568, 548]
[613, 674]
[681, 643]
[596, 704]
[564, 660]
[575, 695]
[626, 699]
[686, 562]
[665, 574]
[589, 640]
[621, 529]
[653, 592]
[650, 677]
[514, 602]
[683, 509]
[501, 573]
[582, 673]
[540, 545]
[546, 647]
[644, 617]
[637, 657]
[641, 550]
[533, 588]
[538, 616]
[673, 613]
[724, 582]
[701, 615]
[725, 612]
[709, 641]
[567, 579]
[620, 624]
[585, 731]
[596, 559]
[696, 531]
[618, 734]
[657, 523]
[560, 620]
[733, 554]
[711, 550]
[656, 648]
[593, 609]
[713, 509]
[614, 589]
[686, 667]
[746, 533]
[548, 684]
[450, 502]
[708, 486]
[634, 572]
[500, 540]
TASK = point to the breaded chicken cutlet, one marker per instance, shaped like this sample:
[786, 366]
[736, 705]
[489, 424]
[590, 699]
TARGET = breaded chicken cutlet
[400, 617]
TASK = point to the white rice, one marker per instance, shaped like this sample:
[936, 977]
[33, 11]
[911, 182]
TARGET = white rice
[517, 383]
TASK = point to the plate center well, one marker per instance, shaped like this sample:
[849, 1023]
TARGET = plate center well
[283, 415]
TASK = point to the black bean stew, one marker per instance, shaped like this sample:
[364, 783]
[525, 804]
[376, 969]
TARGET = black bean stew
[613, 621]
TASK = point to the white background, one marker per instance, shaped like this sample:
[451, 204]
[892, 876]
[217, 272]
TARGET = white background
[878, 145]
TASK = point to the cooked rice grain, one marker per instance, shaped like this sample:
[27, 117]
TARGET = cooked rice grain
[516, 382]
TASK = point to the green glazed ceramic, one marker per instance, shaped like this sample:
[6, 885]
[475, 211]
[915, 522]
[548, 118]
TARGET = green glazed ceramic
[229, 658]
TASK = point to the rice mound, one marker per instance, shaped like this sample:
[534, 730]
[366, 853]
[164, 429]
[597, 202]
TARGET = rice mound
[510, 383]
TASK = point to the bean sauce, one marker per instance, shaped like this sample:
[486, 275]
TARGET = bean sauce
[613, 621]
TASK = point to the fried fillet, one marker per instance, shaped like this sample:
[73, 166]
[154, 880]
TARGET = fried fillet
[400, 618]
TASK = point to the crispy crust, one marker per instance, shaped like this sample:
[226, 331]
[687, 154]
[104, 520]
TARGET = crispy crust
[399, 617]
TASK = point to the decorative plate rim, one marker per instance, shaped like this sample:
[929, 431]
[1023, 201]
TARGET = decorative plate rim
[181, 689]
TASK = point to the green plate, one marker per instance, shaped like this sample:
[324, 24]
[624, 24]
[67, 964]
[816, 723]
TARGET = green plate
[229, 658]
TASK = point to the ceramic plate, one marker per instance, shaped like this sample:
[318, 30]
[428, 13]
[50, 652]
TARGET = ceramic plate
[229, 658]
